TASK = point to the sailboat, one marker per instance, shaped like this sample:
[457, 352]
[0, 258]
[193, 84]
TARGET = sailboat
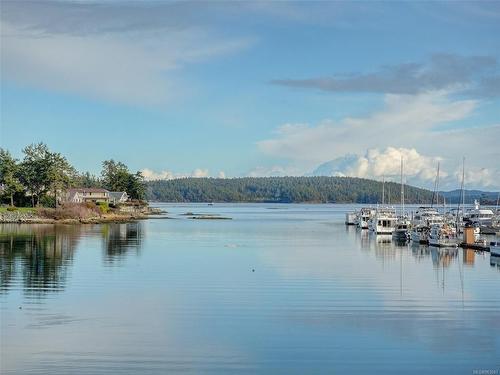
[401, 231]
[443, 234]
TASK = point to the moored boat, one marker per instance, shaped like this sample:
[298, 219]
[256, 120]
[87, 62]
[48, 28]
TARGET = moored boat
[384, 221]
[350, 218]
[420, 234]
[402, 230]
[363, 217]
[443, 236]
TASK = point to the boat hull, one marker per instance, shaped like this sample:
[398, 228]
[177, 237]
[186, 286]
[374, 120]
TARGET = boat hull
[442, 243]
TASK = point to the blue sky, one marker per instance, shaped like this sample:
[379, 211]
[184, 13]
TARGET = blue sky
[262, 88]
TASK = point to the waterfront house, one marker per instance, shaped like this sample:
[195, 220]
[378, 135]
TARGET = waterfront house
[116, 197]
[83, 195]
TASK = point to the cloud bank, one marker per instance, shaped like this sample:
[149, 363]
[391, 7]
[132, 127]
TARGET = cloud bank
[478, 75]
[405, 120]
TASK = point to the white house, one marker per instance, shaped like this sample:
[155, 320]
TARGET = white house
[82, 195]
[116, 197]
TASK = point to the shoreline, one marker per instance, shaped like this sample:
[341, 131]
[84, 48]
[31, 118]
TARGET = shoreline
[33, 217]
[96, 220]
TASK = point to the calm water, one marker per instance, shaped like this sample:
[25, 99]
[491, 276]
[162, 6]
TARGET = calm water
[280, 289]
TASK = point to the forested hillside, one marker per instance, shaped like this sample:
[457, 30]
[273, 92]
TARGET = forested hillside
[281, 189]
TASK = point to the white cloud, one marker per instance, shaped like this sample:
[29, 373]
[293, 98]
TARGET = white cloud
[151, 175]
[405, 120]
[483, 177]
[200, 173]
[274, 171]
[377, 163]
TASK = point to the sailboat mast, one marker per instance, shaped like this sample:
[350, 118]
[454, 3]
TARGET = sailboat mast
[436, 188]
[461, 194]
[402, 191]
[383, 189]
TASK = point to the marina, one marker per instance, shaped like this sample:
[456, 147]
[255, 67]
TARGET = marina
[428, 227]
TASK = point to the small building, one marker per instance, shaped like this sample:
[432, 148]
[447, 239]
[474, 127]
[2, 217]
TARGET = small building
[83, 195]
[116, 197]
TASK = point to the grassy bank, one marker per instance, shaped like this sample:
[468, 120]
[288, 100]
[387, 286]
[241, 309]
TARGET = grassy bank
[20, 209]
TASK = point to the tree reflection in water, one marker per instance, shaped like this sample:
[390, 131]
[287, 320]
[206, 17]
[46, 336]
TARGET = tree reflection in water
[37, 257]
[120, 239]
[37, 254]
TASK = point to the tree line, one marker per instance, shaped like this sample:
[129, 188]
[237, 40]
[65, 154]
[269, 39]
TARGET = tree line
[282, 190]
[42, 175]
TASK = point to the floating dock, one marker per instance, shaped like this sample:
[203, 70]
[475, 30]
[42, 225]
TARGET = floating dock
[474, 246]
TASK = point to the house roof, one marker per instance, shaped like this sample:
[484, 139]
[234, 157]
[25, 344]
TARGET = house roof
[117, 194]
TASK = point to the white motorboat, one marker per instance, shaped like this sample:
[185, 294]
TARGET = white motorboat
[420, 234]
[384, 221]
[427, 216]
[364, 216]
[350, 218]
[443, 236]
[480, 216]
[402, 230]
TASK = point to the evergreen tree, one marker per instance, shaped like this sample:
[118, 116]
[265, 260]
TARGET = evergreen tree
[9, 175]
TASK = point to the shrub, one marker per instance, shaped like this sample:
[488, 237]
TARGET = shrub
[71, 211]
[104, 207]
[11, 208]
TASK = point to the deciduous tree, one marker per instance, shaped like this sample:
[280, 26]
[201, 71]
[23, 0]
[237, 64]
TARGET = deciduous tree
[9, 175]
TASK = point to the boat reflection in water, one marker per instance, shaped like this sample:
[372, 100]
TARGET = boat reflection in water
[443, 257]
[40, 256]
[495, 261]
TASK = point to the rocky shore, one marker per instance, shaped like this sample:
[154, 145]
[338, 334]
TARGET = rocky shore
[39, 216]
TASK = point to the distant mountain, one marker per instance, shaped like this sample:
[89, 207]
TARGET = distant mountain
[484, 197]
[283, 190]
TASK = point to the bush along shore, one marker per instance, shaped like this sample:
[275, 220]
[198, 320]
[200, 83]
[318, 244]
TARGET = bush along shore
[75, 213]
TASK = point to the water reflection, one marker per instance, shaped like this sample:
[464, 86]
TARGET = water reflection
[38, 257]
[469, 256]
[120, 239]
[443, 257]
[420, 251]
[385, 247]
[495, 261]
